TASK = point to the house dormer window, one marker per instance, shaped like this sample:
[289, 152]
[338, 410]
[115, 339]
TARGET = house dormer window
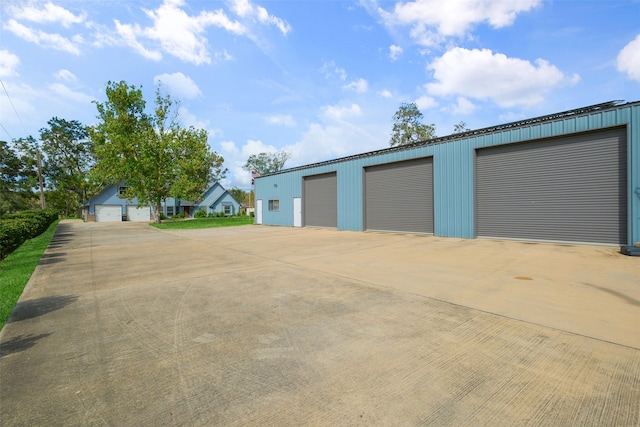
[122, 190]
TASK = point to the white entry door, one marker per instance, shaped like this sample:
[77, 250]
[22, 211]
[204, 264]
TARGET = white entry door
[297, 212]
[259, 211]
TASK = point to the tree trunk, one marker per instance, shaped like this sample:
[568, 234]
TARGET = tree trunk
[157, 218]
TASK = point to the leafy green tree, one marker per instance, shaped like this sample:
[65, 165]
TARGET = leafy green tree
[10, 166]
[408, 128]
[64, 202]
[156, 156]
[18, 176]
[238, 194]
[461, 127]
[68, 159]
[246, 198]
[266, 163]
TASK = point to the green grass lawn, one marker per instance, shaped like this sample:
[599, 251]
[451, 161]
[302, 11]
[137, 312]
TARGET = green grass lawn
[204, 222]
[16, 269]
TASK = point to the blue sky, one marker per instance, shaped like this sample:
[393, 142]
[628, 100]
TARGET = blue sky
[320, 79]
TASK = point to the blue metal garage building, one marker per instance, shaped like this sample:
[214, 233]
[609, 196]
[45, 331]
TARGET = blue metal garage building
[569, 177]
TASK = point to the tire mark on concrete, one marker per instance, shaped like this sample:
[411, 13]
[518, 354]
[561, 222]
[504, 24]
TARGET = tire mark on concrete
[146, 336]
[178, 348]
[93, 411]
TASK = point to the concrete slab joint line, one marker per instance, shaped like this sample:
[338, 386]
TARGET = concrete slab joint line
[124, 324]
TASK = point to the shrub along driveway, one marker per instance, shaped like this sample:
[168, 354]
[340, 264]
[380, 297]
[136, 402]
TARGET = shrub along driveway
[124, 324]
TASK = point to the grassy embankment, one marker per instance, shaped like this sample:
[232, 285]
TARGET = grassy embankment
[16, 269]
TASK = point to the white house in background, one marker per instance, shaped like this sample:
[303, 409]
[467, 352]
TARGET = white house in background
[110, 205]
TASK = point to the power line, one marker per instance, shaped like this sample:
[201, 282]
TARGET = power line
[6, 131]
[14, 109]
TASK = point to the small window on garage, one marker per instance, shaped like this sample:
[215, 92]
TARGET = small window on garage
[122, 190]
[228, 210]
[169, 211]
[274, 205]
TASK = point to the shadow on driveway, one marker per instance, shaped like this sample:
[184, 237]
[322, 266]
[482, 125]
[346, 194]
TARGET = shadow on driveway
[62, 236]
[20, 343]
[37, 307]
[53, 258]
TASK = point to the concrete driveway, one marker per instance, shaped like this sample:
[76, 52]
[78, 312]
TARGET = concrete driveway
[127, 325]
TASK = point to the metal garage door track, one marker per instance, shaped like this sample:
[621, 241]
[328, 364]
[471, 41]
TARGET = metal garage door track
[127, 325]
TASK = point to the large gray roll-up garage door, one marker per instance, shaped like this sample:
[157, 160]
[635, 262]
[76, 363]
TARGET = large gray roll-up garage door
[320, 195]
[564, 189]
[399, 196]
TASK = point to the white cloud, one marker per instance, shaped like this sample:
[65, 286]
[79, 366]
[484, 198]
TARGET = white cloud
[129, 35]
[235, 157]
[47, 40]
[425, 102]
[463, 106]
[335, 140]
[234, 161]
[8, 63]
[431, 21]
[483, 75]
[187, 119]
[50, 13]
[329, 69]
[395, 52]
[65, 75]
[67, 93]
[177, 33]
[183, 36]
[628, 60]
[229, 147]
[343, 130]
[281, 120]
[245, 9]
[222, 55]
[320, 143]
[337, 112]
[179, 85]
[255, 146]
[385, 93]
[358, 86]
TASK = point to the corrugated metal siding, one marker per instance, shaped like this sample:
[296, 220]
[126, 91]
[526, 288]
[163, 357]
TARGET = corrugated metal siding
[568, 189]
[320, 200]
[453, 164]
[633, 117]
[453, 189]
[399, 196]
[350, 198]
